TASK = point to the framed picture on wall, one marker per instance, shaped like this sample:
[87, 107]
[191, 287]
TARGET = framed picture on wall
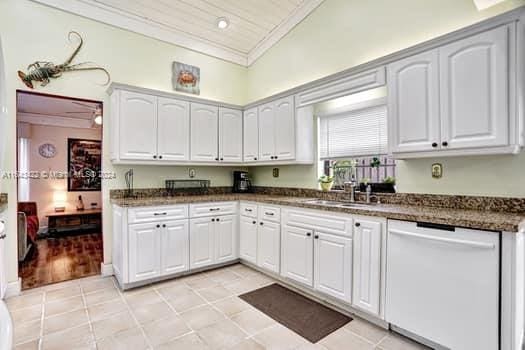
[186, 78]
[84, 163]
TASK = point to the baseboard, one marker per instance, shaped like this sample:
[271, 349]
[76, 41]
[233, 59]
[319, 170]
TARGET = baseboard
[13, 288]
[106, 269]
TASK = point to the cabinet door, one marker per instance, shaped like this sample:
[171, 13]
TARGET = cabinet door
[266, 132]
[175, 247]
[230, 135]
[202, 242]
[284, 129]
[204, 132]
[144, 251]
[367, 266]
[251, 135]
[137, 126]
[333, 265]
[248, 239]
[413, 103]
[297, 255]
[226, 238]
[173, 132]
[474, 91]
[269, 246]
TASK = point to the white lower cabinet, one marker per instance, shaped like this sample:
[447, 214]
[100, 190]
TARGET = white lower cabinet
[297, 255]
[248, 239]
[226, 238]
[175, 247]
[144, 246]
[367, 265]
[269, 246]
[333, 265]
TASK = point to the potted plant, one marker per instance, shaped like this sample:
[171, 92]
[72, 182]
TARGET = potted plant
[326, 182]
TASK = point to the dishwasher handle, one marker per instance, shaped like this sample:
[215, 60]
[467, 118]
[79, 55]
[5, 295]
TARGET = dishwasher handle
[462, 242]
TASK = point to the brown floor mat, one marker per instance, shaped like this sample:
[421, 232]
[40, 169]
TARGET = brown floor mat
[305, 317]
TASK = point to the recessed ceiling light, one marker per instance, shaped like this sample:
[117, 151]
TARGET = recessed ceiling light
[222, 23]
[98, 120]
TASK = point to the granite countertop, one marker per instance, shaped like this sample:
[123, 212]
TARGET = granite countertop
[474, 219]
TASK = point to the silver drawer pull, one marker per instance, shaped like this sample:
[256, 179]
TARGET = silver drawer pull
[3, 236]
[267, 213]
[215, 209]
[159, 214]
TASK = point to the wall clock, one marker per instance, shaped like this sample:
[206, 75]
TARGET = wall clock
[47, 150]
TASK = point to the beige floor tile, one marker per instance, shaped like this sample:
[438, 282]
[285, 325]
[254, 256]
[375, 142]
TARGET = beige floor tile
[151, 312]
[186, 301]
[366, 330]
[73, 338]
[187, 342]
[101, 296]
[201, 317]
[64, 321]
[105, 310]
[32, 345]
[24, 301]
[63, 293]
[147, 298]
[25, 332]
[232, 305]
[279, 337]
[138, 290]
[225, 277]
[94, 285]
[252, 321]
[26, 314]
[244, 271]
[125, 340]
[114, 324]
[342, 339]
[193, 277]
[310, 346]
[202, 283]
[398, 342]
[242, 286]
[63, 305]
[174, 291]
[247, 344]
[163, 330]
[215, 293]
[223, 334]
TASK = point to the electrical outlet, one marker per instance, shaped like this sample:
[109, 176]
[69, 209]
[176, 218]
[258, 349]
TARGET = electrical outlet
[437, 170]
[275, 172]
[192, 173]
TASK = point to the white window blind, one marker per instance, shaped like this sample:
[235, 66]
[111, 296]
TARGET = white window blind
[354, 133]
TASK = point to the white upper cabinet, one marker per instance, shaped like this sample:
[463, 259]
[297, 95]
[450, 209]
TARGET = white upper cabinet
[204, 132]
[458, 99]
[138, 126]
[173, 132]
[475, 91]
[230, 135]
[266, 131]
[251, 135]
[284, 129]
[413, 103]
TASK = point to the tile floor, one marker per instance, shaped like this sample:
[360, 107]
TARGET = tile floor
[196, 312]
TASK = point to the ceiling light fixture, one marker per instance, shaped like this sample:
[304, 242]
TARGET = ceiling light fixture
[98, 120]
[222, 23]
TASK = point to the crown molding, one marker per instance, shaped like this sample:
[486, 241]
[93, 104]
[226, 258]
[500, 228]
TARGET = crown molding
[282, 29]
[108, 15]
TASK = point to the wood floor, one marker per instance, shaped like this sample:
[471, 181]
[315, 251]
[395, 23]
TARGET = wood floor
[62, 259]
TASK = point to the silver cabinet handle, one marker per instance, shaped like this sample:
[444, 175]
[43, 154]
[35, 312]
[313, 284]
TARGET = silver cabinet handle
[471, 244]
[160, 214]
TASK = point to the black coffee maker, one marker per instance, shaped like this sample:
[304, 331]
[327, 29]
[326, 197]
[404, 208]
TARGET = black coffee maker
[241, 182]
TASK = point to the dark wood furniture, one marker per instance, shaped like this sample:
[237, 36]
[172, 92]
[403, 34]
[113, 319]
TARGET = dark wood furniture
[78, 220]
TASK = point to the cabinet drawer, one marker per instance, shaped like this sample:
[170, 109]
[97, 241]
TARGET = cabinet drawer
[249, 209]
[146, 214]
[211, 209]
[269, 213]
[337, 224]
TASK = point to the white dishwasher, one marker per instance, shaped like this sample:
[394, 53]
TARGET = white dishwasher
[443, 284]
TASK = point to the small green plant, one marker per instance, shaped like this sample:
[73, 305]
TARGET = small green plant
[364, 180]
[326, 179]
[389, 180]
[375, 162]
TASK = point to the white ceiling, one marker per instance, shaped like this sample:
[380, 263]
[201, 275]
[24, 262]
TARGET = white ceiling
[55, 111]
[255, 25]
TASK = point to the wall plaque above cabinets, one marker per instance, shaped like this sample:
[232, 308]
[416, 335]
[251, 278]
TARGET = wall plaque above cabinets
[456, 99]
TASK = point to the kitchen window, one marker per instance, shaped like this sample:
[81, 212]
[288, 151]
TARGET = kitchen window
[353, 144]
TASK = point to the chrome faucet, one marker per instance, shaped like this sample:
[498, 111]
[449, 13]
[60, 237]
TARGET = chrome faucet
[352, 184]
[368, 193]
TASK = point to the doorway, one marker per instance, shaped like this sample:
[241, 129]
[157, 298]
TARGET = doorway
[59, 161]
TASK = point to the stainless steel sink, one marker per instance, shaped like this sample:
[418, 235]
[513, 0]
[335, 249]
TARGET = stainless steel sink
[357, 204]
[339, 203]
[322, 202]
